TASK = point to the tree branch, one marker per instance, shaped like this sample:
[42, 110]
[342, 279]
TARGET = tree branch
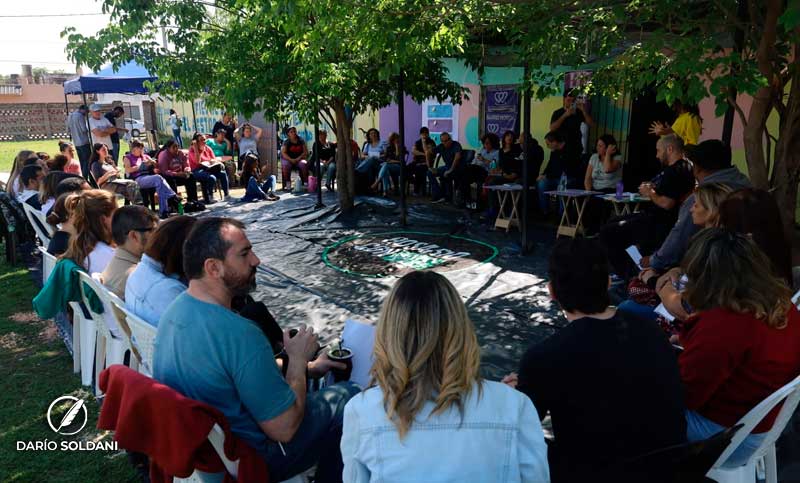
[742, 117]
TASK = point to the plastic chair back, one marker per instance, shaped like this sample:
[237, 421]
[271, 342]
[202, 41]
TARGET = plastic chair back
[35, 218]
[789, 395]
[48, 262]
[143, 337]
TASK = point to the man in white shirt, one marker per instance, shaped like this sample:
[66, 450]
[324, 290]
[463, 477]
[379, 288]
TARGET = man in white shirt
[31, 176]
[100, 126]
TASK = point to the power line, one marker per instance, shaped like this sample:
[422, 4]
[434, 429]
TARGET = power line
[51, 15]
[36, 62]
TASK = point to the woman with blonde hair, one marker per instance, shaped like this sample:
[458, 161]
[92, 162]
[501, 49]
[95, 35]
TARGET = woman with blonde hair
[743, 341]
[428, 415]
[13, 186]
[90, 214]
[707, 200]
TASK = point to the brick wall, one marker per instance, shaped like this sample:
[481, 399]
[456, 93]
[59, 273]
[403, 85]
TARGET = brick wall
[23, 122]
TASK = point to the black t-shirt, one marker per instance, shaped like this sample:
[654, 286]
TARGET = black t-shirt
[228, 128]
[113, 120]
[571, 127]
[508, 160]
[513, 165]
[613, 390]
[418, 146]
[326, 151]
[565, 161]
[675, 181]
[294, 149]
[59, 243]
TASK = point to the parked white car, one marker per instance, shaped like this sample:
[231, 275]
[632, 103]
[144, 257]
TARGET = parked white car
[135, 128]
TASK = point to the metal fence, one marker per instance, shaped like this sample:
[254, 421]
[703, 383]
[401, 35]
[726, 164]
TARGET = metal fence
[26, 122]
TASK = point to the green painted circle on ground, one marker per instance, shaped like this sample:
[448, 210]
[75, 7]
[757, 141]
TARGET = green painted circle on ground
[394, 253]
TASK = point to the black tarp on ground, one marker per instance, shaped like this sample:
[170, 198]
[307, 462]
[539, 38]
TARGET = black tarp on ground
[506, 297]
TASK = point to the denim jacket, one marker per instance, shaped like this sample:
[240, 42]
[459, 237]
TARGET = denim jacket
[149, 292]
[500, 439]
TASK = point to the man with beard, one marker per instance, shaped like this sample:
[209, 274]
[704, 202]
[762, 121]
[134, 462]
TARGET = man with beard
[210, 354]
[649, 228]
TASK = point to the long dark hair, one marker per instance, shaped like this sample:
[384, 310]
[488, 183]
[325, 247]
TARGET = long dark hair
[166, 244]
[166, 146]
[249, 167]
[96, 153]
[503, 139]
[87, 210]
[755, 212]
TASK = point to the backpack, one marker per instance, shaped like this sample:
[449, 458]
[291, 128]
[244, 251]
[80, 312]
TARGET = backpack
[193, 207]
[178, 122]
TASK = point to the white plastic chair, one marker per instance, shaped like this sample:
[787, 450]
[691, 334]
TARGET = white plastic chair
[217, 438]
[110, 346]
[790, 396]
[143, 338]
[44, 231]
[48, 262]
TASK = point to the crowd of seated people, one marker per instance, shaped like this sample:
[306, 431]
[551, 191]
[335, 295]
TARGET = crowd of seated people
[615, 388]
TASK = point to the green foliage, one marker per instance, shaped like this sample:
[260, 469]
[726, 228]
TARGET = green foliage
[682, 48]
[303, 55]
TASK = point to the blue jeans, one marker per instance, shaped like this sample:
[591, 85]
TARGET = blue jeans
[699, 428]
[388, 170]
[369, 166]
[208, 181]
[441, 185]
[176, 133]
[643, 311]
[316, 440]
[545, 184]
[331, 172]
[255, 192]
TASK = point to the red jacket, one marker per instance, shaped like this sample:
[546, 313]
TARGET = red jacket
[151, 418]
[731, 362]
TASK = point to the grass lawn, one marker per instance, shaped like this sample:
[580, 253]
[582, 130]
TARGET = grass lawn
[9, 150]
[35, 369]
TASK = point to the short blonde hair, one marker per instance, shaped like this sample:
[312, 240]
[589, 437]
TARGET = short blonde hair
[425, 349]
[711, 197]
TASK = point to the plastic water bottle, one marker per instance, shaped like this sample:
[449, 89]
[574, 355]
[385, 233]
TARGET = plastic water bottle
[180, 207]
[620, 190]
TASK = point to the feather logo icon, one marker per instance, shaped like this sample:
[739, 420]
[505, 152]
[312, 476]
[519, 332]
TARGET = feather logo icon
[75, 412]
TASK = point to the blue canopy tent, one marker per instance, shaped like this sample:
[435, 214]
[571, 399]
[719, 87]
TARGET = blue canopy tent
[128, 79]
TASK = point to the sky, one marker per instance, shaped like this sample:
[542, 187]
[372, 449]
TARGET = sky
[27, 39]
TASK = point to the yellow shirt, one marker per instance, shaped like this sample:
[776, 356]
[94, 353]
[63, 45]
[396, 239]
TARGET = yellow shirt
[688, 127]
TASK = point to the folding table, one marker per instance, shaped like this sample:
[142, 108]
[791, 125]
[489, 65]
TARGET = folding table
[578, 199]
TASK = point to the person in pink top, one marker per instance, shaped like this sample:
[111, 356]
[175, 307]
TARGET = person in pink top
[142, 168]
[73, 166]
[206, 168]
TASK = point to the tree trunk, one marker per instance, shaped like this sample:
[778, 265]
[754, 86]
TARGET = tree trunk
[762, 100]
[345, 170]
[787, 156]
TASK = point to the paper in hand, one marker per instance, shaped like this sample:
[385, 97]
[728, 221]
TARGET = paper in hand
[661, 310]
[635, 255]
[360, 338]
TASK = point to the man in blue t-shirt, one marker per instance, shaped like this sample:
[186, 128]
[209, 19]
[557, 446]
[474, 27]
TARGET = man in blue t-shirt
[210, 354]
[450, 151]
